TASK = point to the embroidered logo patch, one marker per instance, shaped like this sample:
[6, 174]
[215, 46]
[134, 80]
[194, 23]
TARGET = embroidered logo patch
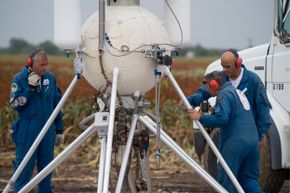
[260, 85]
[243, 100]
[45, 82]
[14, 87]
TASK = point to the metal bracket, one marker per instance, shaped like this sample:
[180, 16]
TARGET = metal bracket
[102, 123]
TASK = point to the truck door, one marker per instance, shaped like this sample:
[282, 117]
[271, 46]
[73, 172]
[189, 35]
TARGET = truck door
[279, 56]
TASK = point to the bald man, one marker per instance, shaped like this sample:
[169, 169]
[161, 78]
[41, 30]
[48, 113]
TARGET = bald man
[252, 86]
[246, 81]
[34, 95]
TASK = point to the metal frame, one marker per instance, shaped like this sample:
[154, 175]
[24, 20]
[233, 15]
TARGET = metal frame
[106, 138]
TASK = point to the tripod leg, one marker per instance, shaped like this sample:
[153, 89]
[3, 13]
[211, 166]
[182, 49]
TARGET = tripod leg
[58, 160]
[126, 154]
[110, 130]
[102, 164]
[132, 183]
[145, 171]
[151, 125]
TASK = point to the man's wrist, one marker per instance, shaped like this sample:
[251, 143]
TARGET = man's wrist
[261, 136]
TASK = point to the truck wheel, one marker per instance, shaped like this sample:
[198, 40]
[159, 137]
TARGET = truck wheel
[271, 180]
[210, 160]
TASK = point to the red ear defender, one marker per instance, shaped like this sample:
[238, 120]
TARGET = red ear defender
[33, 54]
[213, 84]
[239, 62]
[29, 61]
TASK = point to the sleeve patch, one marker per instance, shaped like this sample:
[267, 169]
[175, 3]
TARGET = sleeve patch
[243, 100]
[260, 85]
[15, 103]
[14, 87]
[22, 100]
[219, 97]
[11, 97]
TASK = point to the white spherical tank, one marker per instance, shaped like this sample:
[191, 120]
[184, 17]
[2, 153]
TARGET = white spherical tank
[128, 27]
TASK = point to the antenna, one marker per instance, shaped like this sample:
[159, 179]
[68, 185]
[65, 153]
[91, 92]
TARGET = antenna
[67, 23]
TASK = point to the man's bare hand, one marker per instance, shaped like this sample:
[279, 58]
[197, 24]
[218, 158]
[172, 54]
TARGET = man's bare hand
[193, 114]
[180, 106]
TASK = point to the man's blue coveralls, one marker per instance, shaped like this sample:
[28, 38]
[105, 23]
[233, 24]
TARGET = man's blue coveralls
[238, 142]
[253, 88]
[34, 107]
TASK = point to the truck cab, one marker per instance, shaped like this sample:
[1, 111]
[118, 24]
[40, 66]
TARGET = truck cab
[271, 61]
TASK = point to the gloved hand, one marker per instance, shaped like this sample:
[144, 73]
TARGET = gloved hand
[33, 79]
[58, 139]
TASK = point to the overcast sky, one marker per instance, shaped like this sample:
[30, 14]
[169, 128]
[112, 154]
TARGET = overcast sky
[215, 23]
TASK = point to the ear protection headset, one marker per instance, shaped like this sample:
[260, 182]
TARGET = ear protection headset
[33, 54]
[213, 84]
[239, 61]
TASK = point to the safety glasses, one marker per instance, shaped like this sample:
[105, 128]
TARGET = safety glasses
[226, 66]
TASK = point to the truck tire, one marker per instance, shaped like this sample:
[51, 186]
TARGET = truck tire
[271, 181]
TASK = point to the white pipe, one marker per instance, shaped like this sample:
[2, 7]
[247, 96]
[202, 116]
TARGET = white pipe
[67, 23]
[102, 164]
[182, 154]
[41, 135]
[147, 172]
[157, 111]
[126, 154]
[182, 10]
[59, 159]
[102, 20]
[205, 134]
[110, 130]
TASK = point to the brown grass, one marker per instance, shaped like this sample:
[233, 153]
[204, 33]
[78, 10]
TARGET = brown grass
[188, 74]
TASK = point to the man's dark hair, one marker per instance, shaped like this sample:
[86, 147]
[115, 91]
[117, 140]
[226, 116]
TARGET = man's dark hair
[36, 52]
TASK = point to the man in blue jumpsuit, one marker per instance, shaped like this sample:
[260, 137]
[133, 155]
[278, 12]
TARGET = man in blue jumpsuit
[34, 95]
[249, 83]
[238, 141]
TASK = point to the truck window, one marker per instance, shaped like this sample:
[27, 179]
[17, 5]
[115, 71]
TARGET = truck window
[280, 8]
[283, 20]
[286, 21]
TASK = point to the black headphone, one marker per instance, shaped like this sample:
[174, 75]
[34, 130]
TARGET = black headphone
[239, 61]
[33, 54]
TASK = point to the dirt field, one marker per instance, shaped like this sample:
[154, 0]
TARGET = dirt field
[74, 176]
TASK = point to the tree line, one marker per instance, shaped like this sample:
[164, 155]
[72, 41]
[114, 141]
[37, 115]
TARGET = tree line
[21, 46]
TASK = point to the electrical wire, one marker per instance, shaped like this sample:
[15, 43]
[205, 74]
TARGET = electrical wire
[135, 50]
[180, 28]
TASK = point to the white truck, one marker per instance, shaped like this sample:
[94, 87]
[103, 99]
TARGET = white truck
[271, 62]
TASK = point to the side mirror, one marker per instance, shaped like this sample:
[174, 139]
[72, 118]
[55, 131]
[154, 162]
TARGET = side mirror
[283, 35]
